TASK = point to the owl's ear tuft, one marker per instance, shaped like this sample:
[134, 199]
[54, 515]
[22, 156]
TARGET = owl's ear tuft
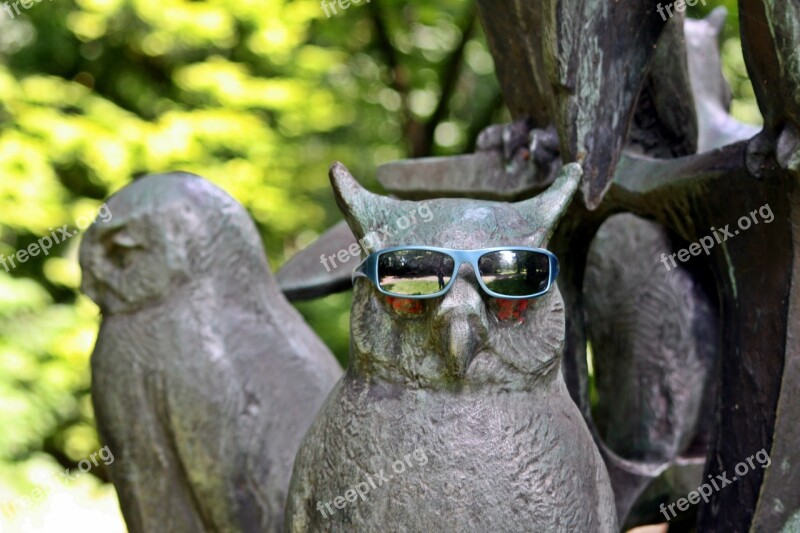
[363, 210]
[544, 211]
[716, 19]
[345, 187]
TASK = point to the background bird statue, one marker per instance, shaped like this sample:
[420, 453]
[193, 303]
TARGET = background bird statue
[453, 414]
[651, 328]
[204, 377]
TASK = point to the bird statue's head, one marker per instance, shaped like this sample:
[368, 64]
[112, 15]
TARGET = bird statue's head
[169, 235]
[464, 336]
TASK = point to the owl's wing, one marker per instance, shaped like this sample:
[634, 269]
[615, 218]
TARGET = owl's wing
[200, 411]
[146, 470]
[285, 373]
[542, 60]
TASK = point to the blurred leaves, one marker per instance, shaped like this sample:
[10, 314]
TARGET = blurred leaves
[257, 96]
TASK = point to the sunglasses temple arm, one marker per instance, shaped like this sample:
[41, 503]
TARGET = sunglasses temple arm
[358, 272]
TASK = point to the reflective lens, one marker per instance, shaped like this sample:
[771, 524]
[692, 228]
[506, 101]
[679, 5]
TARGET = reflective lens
[414, 272]
[515, 273]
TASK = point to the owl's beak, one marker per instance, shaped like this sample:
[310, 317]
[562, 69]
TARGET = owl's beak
[461, 326]
[461, 341]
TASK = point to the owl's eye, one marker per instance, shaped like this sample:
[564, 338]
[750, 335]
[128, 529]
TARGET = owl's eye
[119, 246]
[406, 306]
[509, 310]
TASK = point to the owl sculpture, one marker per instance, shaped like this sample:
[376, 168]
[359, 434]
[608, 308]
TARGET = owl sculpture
[712, 94]
[204, 377]
[453, 415]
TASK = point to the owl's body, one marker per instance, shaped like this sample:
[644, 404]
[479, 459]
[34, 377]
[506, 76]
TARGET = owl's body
[204, 378]
[471, 382]
[498, 461]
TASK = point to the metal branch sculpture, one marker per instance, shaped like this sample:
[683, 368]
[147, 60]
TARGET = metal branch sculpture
[755, 271]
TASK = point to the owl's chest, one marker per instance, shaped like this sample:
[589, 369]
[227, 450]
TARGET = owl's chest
[460, 422]
[519, 452]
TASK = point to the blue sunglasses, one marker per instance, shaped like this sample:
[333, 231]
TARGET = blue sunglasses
[417, 272]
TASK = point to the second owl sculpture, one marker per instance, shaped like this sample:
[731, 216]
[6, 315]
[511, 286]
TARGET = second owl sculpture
[204, 377]
[470, 383]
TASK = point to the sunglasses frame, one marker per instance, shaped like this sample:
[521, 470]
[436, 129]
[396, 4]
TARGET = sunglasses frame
[368, 268]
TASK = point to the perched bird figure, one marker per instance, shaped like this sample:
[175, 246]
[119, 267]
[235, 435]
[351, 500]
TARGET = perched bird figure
[712, 94]
[204, 377]
[453, 414]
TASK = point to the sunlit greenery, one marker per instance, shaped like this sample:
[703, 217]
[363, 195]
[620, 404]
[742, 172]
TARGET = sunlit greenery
[258, 96]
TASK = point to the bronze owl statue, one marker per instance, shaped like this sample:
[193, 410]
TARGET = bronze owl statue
[204, 377]
[453, 414]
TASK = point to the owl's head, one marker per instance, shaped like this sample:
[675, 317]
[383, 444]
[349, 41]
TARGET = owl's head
[464, 337]
[173, 236]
